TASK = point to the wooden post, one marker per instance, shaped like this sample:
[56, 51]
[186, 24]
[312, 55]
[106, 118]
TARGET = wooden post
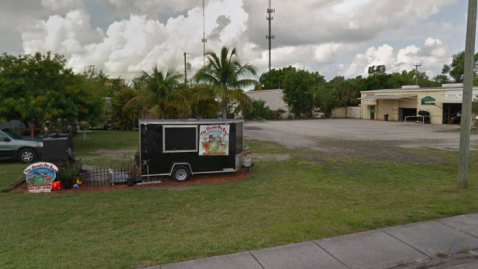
[32, 129]
[464, 157]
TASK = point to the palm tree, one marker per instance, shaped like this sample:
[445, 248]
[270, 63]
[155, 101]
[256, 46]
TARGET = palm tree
[160, 91]
[223, 73]
[202, 105]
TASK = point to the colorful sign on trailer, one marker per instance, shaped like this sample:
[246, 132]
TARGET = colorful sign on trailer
[214, 140]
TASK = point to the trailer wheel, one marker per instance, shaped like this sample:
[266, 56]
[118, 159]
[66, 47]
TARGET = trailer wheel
[181, 173]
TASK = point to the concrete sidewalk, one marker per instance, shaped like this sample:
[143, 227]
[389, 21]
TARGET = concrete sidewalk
[416, 245]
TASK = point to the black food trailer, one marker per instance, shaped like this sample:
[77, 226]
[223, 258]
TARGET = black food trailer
[181, 148]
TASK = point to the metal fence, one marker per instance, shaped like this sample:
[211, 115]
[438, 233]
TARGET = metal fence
[101, 177]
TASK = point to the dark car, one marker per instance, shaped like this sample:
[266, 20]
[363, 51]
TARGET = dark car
[13, 146]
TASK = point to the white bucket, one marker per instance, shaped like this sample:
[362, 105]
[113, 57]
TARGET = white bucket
[247, 161]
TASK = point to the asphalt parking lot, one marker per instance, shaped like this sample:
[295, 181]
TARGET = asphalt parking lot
[321, 134]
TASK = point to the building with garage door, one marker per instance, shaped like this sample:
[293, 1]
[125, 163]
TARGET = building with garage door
[441, 105]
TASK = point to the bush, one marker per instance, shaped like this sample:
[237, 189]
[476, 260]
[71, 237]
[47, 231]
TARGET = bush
[68, 175]
[260, 111]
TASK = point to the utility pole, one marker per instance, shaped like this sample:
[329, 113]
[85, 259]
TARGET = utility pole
[134, 114]
[187, 67]
[416, 72]
[464, 160]
[204, 40]
[270, 36]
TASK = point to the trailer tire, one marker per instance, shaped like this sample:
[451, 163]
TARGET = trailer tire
[181, 173]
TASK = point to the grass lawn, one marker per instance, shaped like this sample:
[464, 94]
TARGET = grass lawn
[106, 148]
[10, 172]
[310, 195]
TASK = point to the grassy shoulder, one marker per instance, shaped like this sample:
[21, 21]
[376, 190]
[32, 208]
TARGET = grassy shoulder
[309, 195]
[10, 172]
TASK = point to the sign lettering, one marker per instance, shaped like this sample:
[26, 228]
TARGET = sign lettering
[214, 140]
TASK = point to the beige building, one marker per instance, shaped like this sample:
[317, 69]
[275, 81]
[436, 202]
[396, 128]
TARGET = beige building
[440, 105]
[273, 98]
[111, 82]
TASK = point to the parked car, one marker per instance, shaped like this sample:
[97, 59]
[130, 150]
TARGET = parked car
[13, 146]
[107, 125]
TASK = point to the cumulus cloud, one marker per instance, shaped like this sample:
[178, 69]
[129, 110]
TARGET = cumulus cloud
[326, 53]
[221, 23]
[315, 34]
[338, 21]
[62, 35]
[432, 56]
[137, 43]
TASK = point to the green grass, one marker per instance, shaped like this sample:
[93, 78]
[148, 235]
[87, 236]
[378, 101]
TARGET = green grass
[311, 196]
[108, 140]
[99, 151]
[10, 172]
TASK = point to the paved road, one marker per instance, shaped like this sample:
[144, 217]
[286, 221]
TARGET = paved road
[305, 133]
[417, 245]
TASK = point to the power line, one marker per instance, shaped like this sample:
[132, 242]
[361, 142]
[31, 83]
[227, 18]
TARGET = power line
[297, 40]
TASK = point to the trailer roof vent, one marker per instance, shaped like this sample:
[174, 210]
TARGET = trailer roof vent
[452, 85]
[408, 87]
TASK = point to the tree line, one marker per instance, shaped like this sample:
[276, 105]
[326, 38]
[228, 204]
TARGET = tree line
[304, 90]
[40, 90]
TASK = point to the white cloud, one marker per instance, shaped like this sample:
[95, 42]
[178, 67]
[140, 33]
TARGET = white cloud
[62, 35]
[326, 53]
[338, 21]
[432, 56]
[137, 43]
[315, 34]
[446, 25]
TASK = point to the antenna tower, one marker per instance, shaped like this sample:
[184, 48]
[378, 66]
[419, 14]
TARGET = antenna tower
[416, 72]
[270, 36]
[204, 40]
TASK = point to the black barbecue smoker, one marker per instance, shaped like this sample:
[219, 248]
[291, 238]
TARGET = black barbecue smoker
[181, 148]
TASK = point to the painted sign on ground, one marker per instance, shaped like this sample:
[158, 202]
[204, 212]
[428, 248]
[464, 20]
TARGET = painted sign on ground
[40, 176]
[213, 140]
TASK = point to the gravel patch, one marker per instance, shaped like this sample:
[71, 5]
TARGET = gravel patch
[376, 141]
[270, 157]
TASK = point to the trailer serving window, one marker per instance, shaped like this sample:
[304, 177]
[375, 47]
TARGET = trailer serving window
[180, 139]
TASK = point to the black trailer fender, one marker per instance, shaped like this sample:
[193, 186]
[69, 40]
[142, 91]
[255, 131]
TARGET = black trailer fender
[176, 164]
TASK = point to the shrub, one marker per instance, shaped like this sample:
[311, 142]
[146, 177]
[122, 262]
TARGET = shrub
[260, 111]
[68, 175]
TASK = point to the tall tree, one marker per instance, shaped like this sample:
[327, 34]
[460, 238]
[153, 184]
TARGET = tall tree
[299, 89]
[160, 91]
[36, 89]
[457, 67]
[124, 118]
[224, 73]
[274, 79]
[203, 106]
